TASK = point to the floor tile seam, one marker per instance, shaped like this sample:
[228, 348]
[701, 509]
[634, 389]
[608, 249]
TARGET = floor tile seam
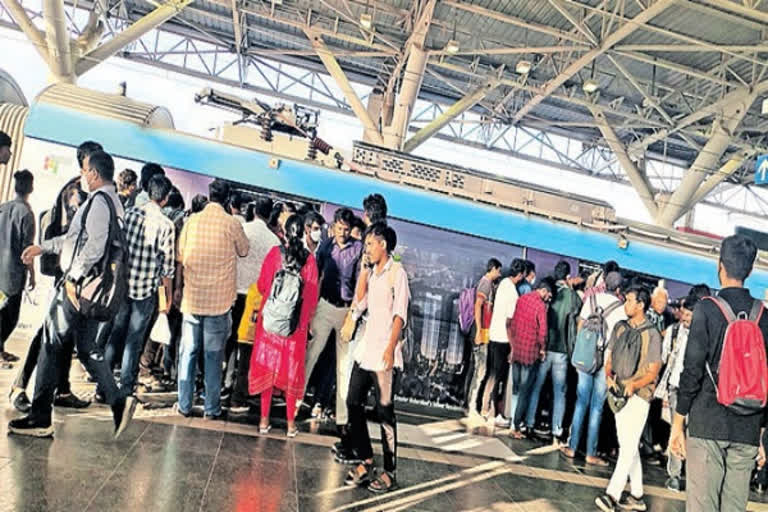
[210, 473]
[116, 468]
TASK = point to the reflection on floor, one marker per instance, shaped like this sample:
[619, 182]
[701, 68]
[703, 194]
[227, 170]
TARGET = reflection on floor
[168, 463]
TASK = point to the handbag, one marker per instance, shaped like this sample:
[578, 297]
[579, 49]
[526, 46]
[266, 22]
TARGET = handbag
[616, 399]
[246, 331]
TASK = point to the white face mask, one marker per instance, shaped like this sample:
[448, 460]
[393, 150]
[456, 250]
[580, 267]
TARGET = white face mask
[84, 184]
[315, 235]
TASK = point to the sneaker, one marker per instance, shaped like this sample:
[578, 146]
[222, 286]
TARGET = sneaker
[20, 400]
[26, 426]
[629, 502]
[502, 422]
[122, 413]
[348, 457]
[70, 401]
[337, 447]
[238, 407]
[317, 410]
[673, 484]
[606, 503]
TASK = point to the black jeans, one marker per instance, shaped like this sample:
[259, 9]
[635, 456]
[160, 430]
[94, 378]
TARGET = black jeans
[64, 362]
[230, 349]
[496, 375]
[383, 385]
[244, 351]
[64, 328]
[9, 318]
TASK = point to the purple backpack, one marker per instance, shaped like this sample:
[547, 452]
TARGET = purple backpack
[467, 309]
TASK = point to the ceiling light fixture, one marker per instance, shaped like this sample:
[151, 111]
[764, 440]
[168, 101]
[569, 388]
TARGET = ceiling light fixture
[590, 86]
[523, 67]
[366, 20]
[452, 47]
[765, 107]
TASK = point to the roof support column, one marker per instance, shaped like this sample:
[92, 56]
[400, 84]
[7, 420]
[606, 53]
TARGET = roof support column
[449, 115]
[57, 35]
[334, 69]
[138, 29]
[638, 179]
[708, 160]
[394, 135]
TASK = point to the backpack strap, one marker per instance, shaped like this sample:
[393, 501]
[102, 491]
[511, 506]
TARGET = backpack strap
[84, 219]
[593, 304]
[724, 308]
[757, 311]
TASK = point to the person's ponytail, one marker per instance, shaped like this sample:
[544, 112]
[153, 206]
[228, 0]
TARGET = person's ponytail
[295, 251]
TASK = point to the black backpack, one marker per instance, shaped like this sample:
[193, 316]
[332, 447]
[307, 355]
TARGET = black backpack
[628, 348]
[104, 288]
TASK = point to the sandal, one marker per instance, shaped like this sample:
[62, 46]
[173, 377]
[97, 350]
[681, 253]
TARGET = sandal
[381, 486]
[291, 433]
[516, 434]
[355, 478]
[567, 452]
[265, 430]
[597, 461]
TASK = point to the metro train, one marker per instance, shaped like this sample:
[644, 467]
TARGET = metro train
[449, 220]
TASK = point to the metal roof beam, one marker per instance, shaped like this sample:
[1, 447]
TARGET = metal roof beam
[616, 37]
[36, 37]
[450, 114]
[512, 20]
[726, 171]
[139, 28]
[638, 179]
[334, 69]
[703, 113]
[577, 24]
[680, 68]
[739, 8]
[708, 160]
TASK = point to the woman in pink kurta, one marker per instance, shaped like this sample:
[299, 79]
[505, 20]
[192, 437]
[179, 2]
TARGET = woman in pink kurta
[277, 361]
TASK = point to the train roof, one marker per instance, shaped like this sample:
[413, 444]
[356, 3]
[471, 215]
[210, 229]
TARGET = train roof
[652, 250]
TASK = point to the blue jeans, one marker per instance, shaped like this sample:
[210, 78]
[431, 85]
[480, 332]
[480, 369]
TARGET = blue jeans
[128, 333]
[523, 379]
[590, 393]
[558, 363]
[209, 334]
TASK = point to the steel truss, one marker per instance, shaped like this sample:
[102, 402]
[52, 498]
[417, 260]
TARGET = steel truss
[205, 55]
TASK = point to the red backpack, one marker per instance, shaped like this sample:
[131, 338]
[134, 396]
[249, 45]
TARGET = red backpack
[742, 374]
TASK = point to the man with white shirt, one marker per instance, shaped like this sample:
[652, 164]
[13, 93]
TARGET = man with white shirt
[382, 290]
[499, 346]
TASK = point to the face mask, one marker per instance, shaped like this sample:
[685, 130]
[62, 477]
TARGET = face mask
[315, 235]
[84, 184]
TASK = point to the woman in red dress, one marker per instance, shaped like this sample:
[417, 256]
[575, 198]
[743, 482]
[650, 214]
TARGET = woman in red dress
[278, 361]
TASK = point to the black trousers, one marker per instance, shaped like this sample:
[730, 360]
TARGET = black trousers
[230, 349]
[63, 364]
[496, 376]
[9, 318]
[383, 385]
[66, 327]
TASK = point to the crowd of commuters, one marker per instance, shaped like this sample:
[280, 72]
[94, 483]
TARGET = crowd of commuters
[240, 298]
[193, 279]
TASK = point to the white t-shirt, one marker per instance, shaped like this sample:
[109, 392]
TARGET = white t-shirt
[604, 300]
[503, 308]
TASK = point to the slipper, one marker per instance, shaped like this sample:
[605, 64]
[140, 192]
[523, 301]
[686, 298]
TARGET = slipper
[566, 452]
[380, 486]
[292, 433]
[265, 430]
[356, 479]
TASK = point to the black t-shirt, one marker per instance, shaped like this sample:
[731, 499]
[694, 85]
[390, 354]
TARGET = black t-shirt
[697, 397]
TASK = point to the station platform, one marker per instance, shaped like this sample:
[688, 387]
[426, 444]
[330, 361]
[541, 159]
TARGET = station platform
[165, 462]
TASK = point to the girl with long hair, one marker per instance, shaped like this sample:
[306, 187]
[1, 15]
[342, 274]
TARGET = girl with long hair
[278, 361]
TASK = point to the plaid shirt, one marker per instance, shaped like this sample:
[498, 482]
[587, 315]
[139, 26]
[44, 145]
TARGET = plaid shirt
[529, 328]
[209, 246]
[150, 236]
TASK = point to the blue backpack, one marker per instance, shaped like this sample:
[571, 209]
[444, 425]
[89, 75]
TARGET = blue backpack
[591, 339]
